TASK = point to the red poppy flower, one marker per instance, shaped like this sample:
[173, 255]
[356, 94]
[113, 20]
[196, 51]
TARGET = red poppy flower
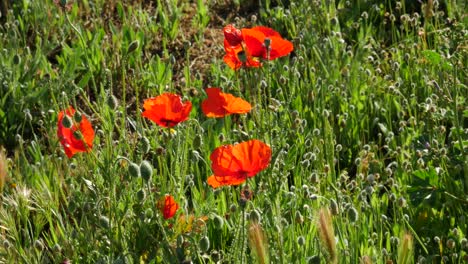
[233, 164]
[232, 35]
[167, 110]
[78, 137]
[168, 206]
[256, 37]
[237, 56]
[247, 46]
[220, 104]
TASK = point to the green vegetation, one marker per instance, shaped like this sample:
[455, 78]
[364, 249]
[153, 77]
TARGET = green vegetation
[366, 119]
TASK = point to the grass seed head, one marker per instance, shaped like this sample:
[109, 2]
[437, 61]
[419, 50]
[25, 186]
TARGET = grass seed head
[257, 242]
[327, 234]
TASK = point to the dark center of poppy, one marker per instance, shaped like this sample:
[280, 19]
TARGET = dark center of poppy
[168, 123]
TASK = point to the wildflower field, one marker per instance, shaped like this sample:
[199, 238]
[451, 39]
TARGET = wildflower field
[233, 131]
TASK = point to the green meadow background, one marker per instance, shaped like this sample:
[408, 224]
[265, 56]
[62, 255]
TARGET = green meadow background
[366, 119]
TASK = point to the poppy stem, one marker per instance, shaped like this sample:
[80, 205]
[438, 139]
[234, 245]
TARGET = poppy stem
[242, 235]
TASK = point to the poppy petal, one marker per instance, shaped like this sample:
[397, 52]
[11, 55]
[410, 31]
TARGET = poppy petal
[279, 47]
[220, 104]
[224, 163]
[218, 181]
[268, 32]
[254, 42]
[236, 105]
[254, 154]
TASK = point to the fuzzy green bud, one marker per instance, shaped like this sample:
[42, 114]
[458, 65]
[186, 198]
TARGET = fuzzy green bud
[146, 170]
[67, 122]
[353, 214]
[141, 195]
[204, 244]
[233, 208]
[113, 102]
[334, 207]
[197, 142]
[218, 222]
[134, 170]
[104, 221]
[77, 117]
[149, 213]
[145, 145]
[133, 46]
[301, 241]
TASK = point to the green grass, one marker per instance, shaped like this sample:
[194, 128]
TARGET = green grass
[366, 117]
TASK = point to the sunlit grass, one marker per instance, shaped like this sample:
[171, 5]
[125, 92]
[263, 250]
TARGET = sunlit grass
[366, 120]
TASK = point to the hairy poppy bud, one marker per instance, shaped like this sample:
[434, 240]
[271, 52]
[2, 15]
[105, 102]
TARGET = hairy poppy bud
[133, 46]
[134, 170]
[353, 214]
[204, 244]
[218, 222]
[77, 117]
[301, 241]
[141, 195]
[145, 145]
[113, 102]
[146, 170]
[67, 121]
[232, 35]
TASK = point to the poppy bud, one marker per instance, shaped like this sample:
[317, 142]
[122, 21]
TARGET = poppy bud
[301, 241]
[77, 117]
[67, 122]
[242, 57]
[334, 207]
[145, 145]
[218, 222]
[133, 46]
[16, 59]
[134, 170]
[232, 35]
[146, 170]
[353, 214]
[39, 245]
[104, 221]
[204, 244]
[149, 213]
[77, 134]
[141, 195]
[197, 142]
[113, 102]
